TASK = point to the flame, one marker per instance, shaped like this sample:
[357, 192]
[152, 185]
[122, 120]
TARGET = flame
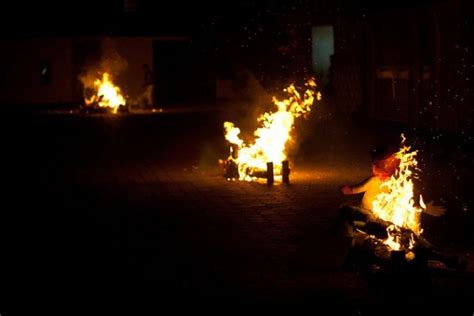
[396, 204]
[107, 94]
[232, 134]
[393, 240]
[274, 134]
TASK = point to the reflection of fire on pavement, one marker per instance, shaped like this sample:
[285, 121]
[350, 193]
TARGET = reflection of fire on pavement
[267, 156]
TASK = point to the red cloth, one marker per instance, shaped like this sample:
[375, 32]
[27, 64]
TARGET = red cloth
[386, 167]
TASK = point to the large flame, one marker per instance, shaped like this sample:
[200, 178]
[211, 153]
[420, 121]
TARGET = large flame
[274, 134]
[107, 94]
[397, 204]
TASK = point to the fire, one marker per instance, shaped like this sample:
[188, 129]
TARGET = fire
[397, 204]
[107, 94]
[273, 135]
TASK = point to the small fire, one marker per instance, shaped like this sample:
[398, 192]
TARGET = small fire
[107, 94]
[274, 134]
[397, 204]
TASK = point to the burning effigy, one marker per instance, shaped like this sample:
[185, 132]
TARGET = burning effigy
[397, 205]
[267, 156]
[390, 231]
[105, 96]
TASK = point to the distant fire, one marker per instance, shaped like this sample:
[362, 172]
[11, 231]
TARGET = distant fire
[397, 205]
[107, 95]
[272, 138]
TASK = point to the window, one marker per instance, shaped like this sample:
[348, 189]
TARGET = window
[45, 72]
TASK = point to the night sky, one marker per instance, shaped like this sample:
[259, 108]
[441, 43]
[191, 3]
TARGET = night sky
[161, 17]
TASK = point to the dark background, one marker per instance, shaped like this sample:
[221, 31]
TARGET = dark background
[98, 206]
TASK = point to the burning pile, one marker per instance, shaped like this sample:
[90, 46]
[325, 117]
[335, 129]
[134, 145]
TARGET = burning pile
[106, 95]
[271, 139]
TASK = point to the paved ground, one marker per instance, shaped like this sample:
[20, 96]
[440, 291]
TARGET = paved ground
[136, 204]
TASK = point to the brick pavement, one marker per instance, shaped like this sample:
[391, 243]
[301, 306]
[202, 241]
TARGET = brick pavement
[130, 201]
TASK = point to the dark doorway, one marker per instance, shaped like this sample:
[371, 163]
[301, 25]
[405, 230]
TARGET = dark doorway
[183, 73]
[322, 39]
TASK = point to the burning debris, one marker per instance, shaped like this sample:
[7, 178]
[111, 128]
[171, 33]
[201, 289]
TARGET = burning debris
[267, 156]
[105, 97]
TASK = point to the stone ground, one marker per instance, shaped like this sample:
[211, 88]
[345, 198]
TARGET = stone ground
[136, 205]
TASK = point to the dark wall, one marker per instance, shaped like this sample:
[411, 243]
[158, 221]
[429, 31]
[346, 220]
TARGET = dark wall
[408, 64]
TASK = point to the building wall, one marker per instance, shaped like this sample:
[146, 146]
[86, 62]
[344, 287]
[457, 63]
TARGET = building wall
[122, 57]
[393, 66]
[22, 62]
[136, 52]
[21, 66]
[418, 66]
[453, 107]
[348, 62]
[409, 65]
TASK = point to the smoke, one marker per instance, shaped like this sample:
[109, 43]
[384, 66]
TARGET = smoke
[109, 61]
[248, 99]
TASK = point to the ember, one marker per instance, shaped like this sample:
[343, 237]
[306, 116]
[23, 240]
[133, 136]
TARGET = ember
[271, 139]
